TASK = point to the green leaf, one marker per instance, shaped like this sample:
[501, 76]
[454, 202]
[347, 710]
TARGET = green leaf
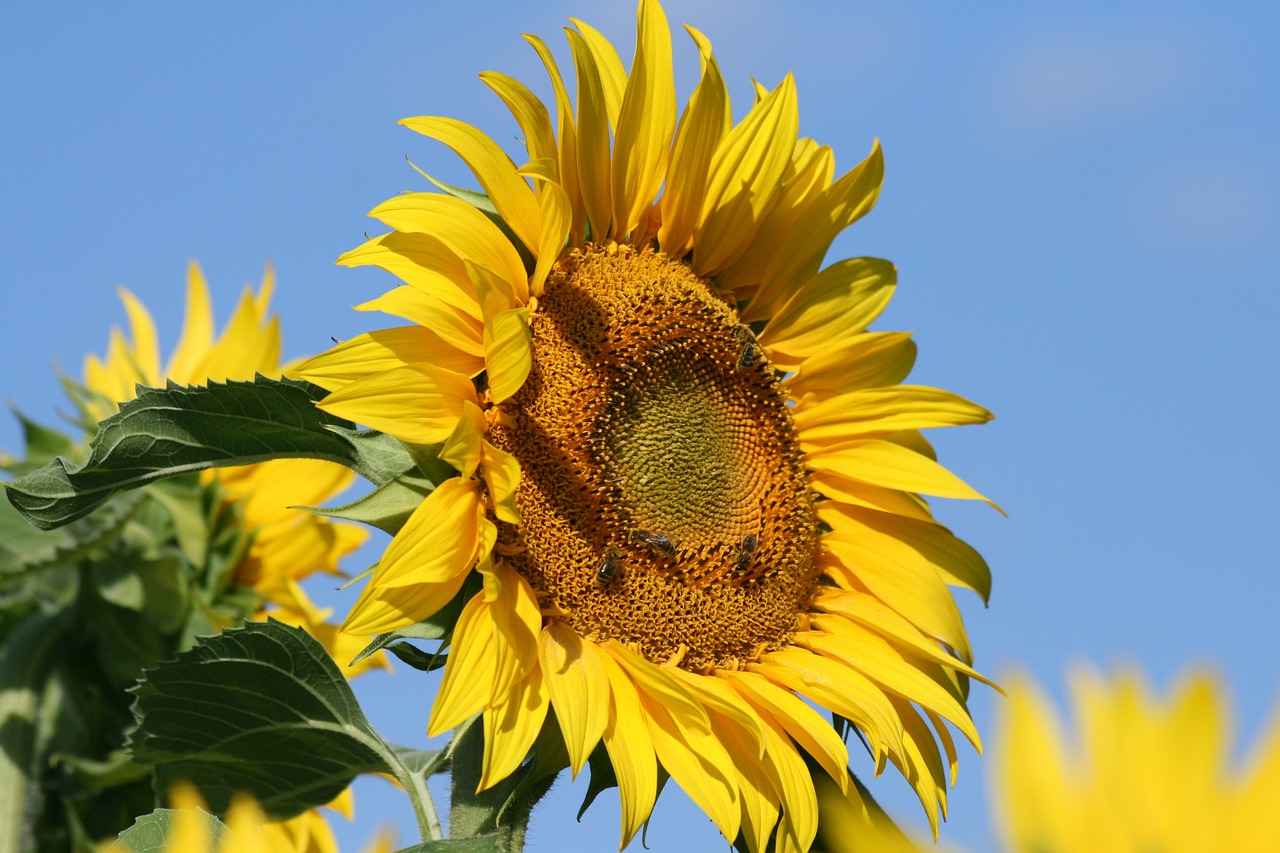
[177, 430]
[261, 709]
[148, 833]
[603, 777]
[26, 550]
[387, 508]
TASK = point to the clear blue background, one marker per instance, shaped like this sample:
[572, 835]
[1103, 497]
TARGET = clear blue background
[1081, 199]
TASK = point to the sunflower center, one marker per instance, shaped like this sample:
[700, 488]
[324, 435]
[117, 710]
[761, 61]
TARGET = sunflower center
[662, 493]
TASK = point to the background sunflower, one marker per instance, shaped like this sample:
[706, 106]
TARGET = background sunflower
[1079, 199]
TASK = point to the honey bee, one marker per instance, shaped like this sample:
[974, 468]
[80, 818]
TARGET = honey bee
[656, 541]
[749, 353]
[746, 552]
[610, 567]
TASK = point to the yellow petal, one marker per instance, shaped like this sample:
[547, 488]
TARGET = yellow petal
[914, 589]
[646, 122]
[868, 360]
[462, 448]
[467, 686]
[557, 221]
[715, 695]
[626, 737]
[829, 310]
[864, 651]
[511, 727]
[883, 463]
[658, 682]
[456, 327]
[805, 178]
[502, 476]
[703, 124]
[383, 350]
[423, 262]
[870, 611]
[529, 112]
[508, 345]
[593, 138]
[513, 608]
[509, 193]
[145, 352]
[426, 562]
[1030, 766]
[805, 726]
[463, 230]
[613, 77]
[908, 540]
[566, 131]
[838, 487]
[697, 762]
[249, 344]
[745, 171]
[880, 410]
[795, 788]
[840, 689]
[842, 204]
[415, 404]
[197, 328]
[579, 685]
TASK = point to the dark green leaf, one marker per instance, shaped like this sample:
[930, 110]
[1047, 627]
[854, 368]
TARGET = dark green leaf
[177, 430]
[148, 833]
[387, 507]
[26, 550]
[261, 709]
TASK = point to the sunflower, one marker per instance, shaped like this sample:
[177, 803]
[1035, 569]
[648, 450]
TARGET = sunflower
[247, 830]
[1144, 773]
[287, 545]
[686, 472]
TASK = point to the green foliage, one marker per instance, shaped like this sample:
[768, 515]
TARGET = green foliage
[261, 709]
[148, 833]
[178, 430]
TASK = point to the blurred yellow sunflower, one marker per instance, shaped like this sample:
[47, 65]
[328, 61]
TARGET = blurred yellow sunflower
[287, 544]
[1142, 773]
[688, 475]
[248, 830]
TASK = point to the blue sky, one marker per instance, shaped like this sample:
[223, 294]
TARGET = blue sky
[1083, 201]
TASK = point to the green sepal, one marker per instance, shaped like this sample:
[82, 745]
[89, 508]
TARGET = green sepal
[178, 430]
[148, 833]
[260, 709]
[387, 508]
[603, 777]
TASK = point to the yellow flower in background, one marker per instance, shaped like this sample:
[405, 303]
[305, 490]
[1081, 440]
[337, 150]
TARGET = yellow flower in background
[1139, 773]
[688, 475]
[288, 544]
[248, 830]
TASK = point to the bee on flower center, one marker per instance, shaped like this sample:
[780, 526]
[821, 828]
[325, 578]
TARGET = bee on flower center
[746, 552]
[656, 541]
[610, 567]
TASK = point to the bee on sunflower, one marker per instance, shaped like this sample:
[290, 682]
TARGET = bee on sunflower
[687, 475]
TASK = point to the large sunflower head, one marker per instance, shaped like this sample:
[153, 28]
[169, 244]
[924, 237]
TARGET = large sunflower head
[1139, 772]
[287, 544]
[688, 475]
